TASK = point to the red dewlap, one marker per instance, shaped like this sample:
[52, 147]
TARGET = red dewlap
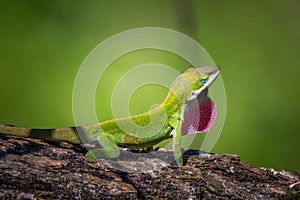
[199, 119]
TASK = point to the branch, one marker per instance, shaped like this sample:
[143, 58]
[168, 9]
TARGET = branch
[34, 169]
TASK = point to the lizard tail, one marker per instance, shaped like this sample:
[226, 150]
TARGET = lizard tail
[59, 134]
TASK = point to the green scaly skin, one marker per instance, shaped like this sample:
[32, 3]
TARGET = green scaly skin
[169, 114]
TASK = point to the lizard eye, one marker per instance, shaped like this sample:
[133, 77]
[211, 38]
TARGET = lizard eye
[203, 80]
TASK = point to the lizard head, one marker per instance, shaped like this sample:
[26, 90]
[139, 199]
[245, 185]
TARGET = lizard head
[200, 79]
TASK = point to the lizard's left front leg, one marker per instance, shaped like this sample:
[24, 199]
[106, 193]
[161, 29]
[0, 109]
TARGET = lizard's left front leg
[177, 145]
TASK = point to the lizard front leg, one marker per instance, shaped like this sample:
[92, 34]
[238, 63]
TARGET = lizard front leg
[177, 145]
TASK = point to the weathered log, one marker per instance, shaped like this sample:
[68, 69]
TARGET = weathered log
[35, 169]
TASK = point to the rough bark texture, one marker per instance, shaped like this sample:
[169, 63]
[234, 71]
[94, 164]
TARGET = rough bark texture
[33, 169]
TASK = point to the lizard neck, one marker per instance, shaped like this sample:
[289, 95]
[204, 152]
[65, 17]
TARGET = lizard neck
[179, 92]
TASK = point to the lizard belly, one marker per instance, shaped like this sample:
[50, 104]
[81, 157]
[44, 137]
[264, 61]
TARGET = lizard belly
[132, 141]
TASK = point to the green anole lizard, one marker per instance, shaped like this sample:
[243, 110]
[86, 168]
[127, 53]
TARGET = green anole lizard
[186, 110]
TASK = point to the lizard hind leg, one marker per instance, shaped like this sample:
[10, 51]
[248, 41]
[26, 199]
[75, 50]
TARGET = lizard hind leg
[109, 148]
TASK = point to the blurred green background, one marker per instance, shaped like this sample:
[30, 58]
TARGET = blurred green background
[257, 43]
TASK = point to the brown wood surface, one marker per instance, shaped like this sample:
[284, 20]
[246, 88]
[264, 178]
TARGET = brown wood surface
[34, 169]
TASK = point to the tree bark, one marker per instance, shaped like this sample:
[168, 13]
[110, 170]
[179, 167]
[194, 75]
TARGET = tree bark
[35, 169]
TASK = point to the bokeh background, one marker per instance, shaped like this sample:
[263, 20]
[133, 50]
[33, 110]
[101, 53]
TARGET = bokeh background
[257, 43]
